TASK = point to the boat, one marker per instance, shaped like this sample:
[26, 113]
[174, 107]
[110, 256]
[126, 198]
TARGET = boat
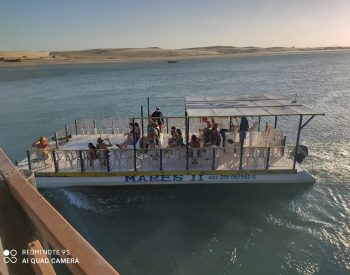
[262, 157]
[173, 61]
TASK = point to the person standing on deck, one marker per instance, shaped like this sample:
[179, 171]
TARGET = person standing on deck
[243, 129]
[157, 115]
[215, 137]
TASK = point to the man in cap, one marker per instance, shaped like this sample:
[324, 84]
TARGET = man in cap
[158, 116]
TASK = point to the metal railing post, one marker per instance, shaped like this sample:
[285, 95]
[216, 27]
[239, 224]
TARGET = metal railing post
[55, 161]
[65, 128]
[283, 145]
[108, 162]
[95, 131]
[82, 166]
[275, 122]
[56, 141]
[76, 127]
[241, 157]
[213, 160]
[29, 161]
[259, 123]
[268, 158]
[161, 159]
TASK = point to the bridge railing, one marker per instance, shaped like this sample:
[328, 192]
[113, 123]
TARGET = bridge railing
[52, 225]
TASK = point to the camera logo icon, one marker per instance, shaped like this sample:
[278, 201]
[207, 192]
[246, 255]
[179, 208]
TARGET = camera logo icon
[10, 256]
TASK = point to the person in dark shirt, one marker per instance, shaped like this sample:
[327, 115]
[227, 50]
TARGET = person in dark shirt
[92, 153]
[157, 115]
[206, 136]
[215, 137]
[243, 129]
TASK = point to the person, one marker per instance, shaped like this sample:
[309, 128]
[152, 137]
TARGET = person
[195, 142]
[92, 153]
[206, 136]
[152, 133]
[215, 137]
[137, 131]
[156, 126]
[103, 150]
[208, 122]
[42, 143]
[179, 138]
[158, 116]
[173, 134]
[143, 142]
[243, 128]
[195, 145]
[223, 132]
[134, 130]
[43, 147]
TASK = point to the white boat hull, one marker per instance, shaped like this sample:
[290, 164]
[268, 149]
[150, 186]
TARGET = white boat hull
[134, 180]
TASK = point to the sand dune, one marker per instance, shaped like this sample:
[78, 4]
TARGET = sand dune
[126, 53]
[23, 54]
[135, 54]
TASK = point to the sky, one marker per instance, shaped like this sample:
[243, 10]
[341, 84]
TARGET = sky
[85, 24]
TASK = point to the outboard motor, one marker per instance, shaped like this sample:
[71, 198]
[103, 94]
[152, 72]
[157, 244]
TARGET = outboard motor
[302, 153]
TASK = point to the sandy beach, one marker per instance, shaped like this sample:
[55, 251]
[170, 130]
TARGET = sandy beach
[23, 58]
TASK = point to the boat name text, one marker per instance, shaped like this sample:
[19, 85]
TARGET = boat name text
[193, 178]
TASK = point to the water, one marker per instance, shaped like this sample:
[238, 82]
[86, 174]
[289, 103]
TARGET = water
[229, 230]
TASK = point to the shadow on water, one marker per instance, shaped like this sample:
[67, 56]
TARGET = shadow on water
[171, 229]
[106, 200]
[220, 191]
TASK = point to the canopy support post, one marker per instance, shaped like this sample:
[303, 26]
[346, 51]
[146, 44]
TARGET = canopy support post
[56, 141]
[297, 143]
[187, 141]
[167, 125]
[141, 121]
[76, 127]
[148, 106]
[241, 156]
[66, 130]
[29, 161]
[307, 121]
[133, 141]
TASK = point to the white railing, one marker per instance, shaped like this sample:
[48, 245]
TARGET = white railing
[157, 159]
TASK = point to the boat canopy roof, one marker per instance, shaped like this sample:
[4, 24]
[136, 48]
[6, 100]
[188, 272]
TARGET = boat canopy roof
[228, 106]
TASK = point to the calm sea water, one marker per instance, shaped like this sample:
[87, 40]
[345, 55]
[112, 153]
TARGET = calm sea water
[228, 230]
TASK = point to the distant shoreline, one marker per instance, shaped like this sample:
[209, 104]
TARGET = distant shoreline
[18, 59]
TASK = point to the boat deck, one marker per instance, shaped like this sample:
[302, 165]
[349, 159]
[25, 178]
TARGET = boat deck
[260, 152]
